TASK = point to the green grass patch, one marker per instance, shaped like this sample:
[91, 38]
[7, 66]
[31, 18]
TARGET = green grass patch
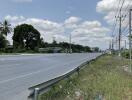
[103, 79]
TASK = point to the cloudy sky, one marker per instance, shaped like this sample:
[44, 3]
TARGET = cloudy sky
[88, 21]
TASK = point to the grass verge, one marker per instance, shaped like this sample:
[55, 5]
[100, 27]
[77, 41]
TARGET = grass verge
[103, 79]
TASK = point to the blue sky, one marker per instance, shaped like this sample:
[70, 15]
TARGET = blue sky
[84, 19]
[56, 10]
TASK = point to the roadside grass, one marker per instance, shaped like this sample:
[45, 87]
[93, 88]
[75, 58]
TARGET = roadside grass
[9, 54]
[103, 79]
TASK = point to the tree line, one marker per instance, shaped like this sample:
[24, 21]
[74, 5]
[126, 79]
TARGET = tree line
[27, 38]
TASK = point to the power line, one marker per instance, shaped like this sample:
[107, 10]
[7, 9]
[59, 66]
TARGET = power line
[130, 33]
[125, 28]
[115, 23]
[122, 5]
[126, 10]
[120, 17]
[118, 13]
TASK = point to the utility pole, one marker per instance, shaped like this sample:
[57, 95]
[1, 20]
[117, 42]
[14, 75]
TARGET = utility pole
[112, 47]
[109, 45]
[116, 42]
[125, 44]
[130, 42]
[70, 44]
[120, 18]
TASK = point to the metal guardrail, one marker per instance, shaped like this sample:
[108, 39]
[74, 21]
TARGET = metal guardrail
[42, 88]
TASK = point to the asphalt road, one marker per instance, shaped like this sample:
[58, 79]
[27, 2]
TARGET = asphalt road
[19, 72]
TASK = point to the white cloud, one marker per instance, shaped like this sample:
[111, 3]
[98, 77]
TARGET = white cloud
[61, 38]
[14, 19]
[105, 6]
[72, 22]
[90, 24]
[20, 1]
[45, 25]
[91, 33]
[83, 32]
[110, 8]
[90, 28]
[47, 28]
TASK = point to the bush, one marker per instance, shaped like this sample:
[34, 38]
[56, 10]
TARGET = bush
[126, 54]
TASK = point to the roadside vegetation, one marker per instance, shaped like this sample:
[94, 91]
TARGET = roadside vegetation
[103, 79]
[126, 54]
[27, 39]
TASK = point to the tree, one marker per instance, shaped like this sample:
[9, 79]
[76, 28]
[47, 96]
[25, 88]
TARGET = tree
[26, 36]
[54, 43]
[75, 47]
[42, 44]
[3, 41]
[5, 28]
[96, 49]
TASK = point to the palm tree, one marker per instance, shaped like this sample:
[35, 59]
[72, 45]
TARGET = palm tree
[5, 28]
[3, 41]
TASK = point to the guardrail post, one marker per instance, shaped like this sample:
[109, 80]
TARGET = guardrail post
[78, 69]
[36, 92]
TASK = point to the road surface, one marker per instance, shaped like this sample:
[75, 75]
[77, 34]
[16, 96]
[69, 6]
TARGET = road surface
[19, 72]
